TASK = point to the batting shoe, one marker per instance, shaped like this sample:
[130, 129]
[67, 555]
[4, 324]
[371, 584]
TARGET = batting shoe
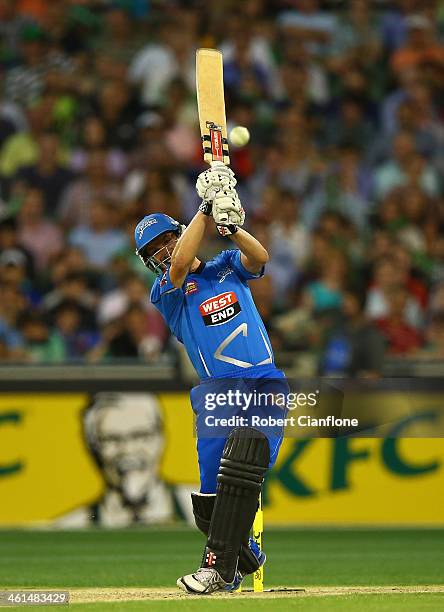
[258, 553]
[239, 576]
[205, 581]
[233, 586]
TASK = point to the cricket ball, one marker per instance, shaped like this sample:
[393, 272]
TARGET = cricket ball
[239, 136]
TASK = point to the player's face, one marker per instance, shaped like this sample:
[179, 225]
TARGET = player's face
[157, 254]
[157, 248]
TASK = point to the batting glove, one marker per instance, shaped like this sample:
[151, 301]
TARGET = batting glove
[227, 230]
[228, 213]
[218, 177]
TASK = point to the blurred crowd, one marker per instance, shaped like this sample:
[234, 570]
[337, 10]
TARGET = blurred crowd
[342, 179]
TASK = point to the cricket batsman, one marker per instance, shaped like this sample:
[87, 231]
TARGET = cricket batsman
[209, 308]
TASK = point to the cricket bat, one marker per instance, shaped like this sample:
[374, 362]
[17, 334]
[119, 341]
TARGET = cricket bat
[211, 105]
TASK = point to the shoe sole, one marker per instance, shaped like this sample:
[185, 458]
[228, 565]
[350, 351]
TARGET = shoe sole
[184, 587]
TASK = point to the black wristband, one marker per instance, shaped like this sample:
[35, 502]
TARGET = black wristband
[227, 230]
[206, 207]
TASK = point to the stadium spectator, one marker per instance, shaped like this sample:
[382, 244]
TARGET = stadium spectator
[357, 28]
[21, 148]
[157, 64]
[268, 307]
[357, 130]
[302, 84]
[326, 292]
[42, 238]
[120, 39]
[47, 174]
[420, 46]
[12, 24]
[402, 338]
[243, 71]
[25, 83]
[94, 185]
[287, 231]
[41, 344]
[12, 120]
[394, 24]
[309, 23]
[386, 274]
[248, 57]
[406, 167]
[416, 209]
[345, 190]
[12, 305]
[341, 179]
[100, 238]
[434, 336]
[131, 291]
[94, 136]
[78, 341]
[10, 244]
[74, 288]
[353, 345]
[130, 336]
[117, 110]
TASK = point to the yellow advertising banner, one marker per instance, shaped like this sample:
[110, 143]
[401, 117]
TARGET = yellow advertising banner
[49, 464]
[44, 467]
[118, 458]
[357, 481]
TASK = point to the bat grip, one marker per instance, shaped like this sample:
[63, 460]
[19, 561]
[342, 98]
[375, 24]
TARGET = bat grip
[222, 218]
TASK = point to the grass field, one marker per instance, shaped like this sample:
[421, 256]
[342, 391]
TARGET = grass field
[340, 570]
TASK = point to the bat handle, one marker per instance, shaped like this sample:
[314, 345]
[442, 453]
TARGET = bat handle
[222, 218]
[216, 164]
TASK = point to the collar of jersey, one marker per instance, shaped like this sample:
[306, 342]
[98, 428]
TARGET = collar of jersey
[199, 269]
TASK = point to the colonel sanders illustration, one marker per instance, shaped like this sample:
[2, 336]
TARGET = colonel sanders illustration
[125, 436]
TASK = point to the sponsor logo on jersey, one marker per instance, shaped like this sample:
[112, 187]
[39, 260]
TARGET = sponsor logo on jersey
[220, 309]
[191, 287]
[164, 279]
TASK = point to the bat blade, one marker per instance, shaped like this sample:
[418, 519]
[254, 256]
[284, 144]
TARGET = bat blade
[211, 105]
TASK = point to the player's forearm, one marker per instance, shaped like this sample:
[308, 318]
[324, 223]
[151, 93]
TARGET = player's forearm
[188, 244]
[250, 248]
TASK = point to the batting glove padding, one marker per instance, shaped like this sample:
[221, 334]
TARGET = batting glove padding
[227, 209]
[218, 177]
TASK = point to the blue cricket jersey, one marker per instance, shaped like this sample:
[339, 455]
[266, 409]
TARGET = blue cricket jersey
[213, 314]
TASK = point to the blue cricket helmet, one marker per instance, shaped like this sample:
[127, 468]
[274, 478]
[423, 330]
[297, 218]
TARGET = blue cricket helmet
[147, 230]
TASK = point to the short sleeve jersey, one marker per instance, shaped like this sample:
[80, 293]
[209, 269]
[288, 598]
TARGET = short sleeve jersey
[213, 314]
